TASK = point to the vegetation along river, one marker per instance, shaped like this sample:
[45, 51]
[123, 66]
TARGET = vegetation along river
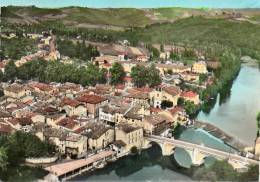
[235, 114]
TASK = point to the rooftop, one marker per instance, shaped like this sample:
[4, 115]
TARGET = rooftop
[91, 99]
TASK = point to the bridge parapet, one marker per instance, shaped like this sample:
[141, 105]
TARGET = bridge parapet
[198, 152]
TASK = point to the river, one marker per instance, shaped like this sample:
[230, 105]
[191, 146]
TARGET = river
[235, 115]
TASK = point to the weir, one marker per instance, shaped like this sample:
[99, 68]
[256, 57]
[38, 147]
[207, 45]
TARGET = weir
[220, 134]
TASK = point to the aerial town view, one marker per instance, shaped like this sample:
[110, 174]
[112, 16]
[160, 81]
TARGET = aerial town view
[129, 90]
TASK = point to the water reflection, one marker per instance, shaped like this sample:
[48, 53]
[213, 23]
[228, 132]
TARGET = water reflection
[235, 111]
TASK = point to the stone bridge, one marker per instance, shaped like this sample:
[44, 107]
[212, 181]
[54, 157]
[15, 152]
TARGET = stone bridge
[198, 152]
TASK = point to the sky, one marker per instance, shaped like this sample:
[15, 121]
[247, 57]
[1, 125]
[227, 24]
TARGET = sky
[136, 3]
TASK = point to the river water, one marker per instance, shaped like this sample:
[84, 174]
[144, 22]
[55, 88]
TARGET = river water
[235, 115]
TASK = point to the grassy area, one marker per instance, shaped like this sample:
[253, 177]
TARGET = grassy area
[116, 17]
[176, 13]
[255, 18]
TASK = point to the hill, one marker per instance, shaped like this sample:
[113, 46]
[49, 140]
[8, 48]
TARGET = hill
[116, 19]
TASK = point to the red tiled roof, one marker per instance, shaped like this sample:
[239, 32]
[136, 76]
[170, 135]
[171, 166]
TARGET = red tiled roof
[127, 79]
[144, 89]
[189, 94]
[2, 65]
[175, 110]
[91, 99]
[50, 109]
[5, 128]
[42, 86]
[153, 109]
[120, 86]
[70, 102]
[107, 64]
[22, 121]
[172, 90]
[67, 123]
[79, 130]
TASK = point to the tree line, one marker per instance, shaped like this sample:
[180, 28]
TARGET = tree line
[55, 71]
[77, 50]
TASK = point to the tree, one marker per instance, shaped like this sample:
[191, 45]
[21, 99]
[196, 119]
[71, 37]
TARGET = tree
[117, 73]
[166, 104]
[202, 78]
[219, 171]
[1, 76]
[153, 76]
[258, 123]
[250, 175]
[180, 101]
[3, 159]
[139, 74]
[190, 107]
[10, 71]
[174, 56]
[162, 48]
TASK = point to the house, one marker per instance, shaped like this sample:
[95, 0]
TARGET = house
[16, 91]
[174, 68]
[68, 123]
[128, 137]
[67, 143]
[92, 103]
[128, 81]
[43, 88]
[24, 124]
[142, 58]
[190, 77]
[156, 124]
[101, 61]
[73, 107]
[111, 115]
[5, 128]
[99, 135]
[74, 145]
[52, 119]
[190, 96]
[5, 115]
[200, 67]
[177, 115]
[164, 93]
[69, 89]
[138, 98]
[133, 118]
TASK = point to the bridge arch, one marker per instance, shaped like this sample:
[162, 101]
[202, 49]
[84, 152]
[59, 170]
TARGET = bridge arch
[166, 148]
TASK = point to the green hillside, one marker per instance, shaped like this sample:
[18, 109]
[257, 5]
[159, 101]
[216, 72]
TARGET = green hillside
[114, 17]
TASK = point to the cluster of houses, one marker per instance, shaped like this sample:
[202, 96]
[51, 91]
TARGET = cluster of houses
[79, 120]
[47, 48]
